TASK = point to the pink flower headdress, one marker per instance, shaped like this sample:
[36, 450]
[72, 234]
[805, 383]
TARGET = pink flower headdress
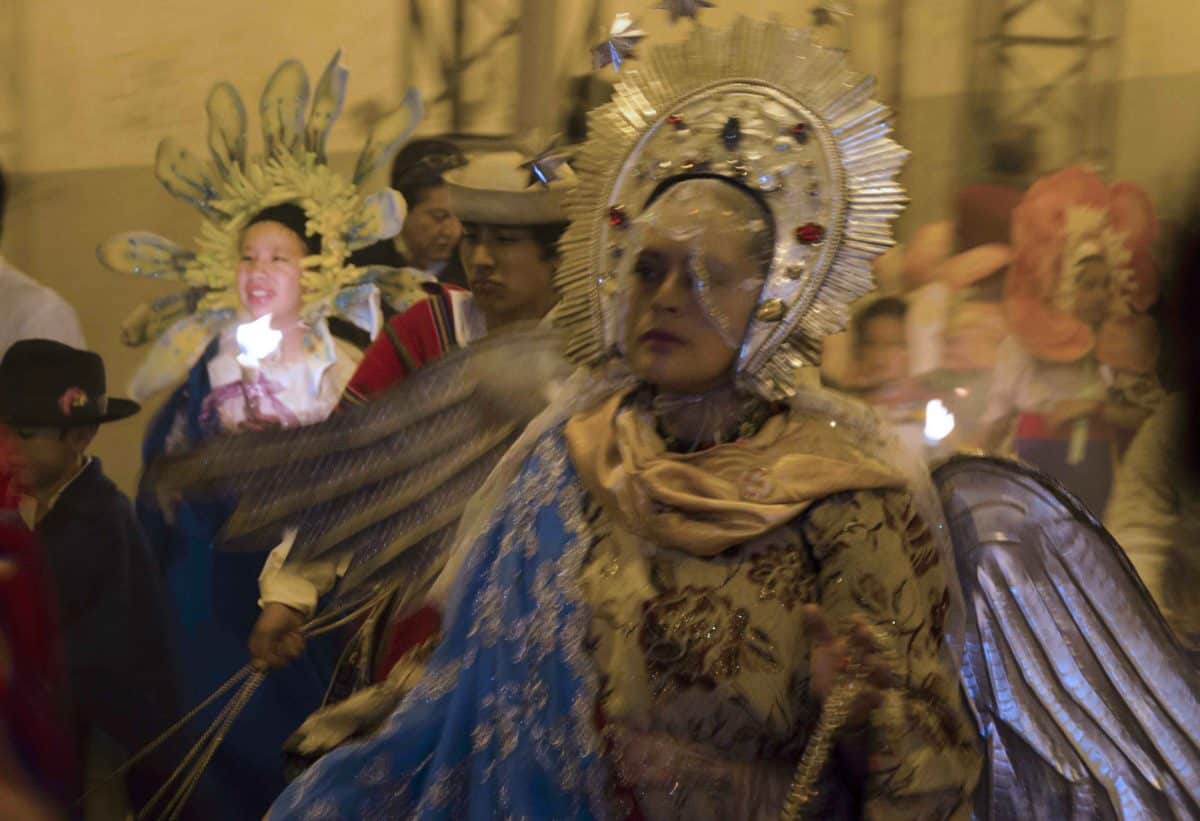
[1063, 220]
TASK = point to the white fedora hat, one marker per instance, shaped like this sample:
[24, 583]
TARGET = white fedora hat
[495, 189]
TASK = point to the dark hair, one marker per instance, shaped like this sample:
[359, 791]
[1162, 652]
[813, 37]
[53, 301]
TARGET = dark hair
[419, 167]
[545, 234]
[3, 198]
[762, 244]
[886, 307]
[292, 217]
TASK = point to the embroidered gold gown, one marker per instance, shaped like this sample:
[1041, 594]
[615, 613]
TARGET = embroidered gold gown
[704, 660]
[625, 639]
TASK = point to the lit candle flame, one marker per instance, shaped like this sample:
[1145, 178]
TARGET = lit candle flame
[257, 340]
[939, 422]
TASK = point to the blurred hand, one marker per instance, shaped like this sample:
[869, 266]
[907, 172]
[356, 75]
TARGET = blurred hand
[1071, 409]
[831, 656]
[255, 424]
[276, 639]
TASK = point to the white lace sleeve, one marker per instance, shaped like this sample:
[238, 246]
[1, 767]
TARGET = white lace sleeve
[298, 586]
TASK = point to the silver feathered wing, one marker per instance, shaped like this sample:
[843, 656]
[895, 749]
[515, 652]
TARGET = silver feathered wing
[379, 487]
[1087, 705]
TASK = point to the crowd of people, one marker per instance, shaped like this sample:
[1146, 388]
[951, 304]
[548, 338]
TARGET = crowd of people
[691, 562]
[1034, 325]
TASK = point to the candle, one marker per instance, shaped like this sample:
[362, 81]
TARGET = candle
[256, 340]
[939, 422]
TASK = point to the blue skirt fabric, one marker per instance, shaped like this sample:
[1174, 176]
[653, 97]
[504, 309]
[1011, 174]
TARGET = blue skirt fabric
[215, 601]
[502, 724]
[214, 605]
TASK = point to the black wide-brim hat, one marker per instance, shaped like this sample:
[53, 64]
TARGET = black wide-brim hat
[44, 383]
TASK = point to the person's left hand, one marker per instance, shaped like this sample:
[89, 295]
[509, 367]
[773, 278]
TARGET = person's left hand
[832, 656]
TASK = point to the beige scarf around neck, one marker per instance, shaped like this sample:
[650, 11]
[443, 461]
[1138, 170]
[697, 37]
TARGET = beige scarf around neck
[703, 503]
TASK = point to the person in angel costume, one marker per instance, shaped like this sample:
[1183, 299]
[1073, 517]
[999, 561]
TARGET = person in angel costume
[646, 618]
[1077, 377]
[695, 585]
[256, 353]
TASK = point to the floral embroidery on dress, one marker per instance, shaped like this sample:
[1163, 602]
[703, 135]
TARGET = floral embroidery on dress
[519, 607]
[783, 573]
[922, 549]
[695, 637]
[937, 617]
[712, 653]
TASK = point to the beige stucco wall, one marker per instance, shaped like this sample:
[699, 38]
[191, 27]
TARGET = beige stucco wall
[1158, 130]
[101, 83]
[88, 89]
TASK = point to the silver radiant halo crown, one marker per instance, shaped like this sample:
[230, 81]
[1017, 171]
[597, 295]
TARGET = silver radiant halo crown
[762, 104]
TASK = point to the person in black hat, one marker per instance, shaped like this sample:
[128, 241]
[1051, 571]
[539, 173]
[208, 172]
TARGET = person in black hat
[108, 586]
[53, 398]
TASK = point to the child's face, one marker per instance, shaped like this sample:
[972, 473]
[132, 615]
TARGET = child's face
[269, 272]
[43, 456]
[883, 350]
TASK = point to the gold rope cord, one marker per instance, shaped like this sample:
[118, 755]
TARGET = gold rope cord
[805, 787]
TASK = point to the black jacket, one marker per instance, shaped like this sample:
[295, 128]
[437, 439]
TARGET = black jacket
[113, 616]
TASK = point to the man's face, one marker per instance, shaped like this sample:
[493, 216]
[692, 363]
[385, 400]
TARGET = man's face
[431, 231]
[509, 275]
[883, 350]
[42, 456]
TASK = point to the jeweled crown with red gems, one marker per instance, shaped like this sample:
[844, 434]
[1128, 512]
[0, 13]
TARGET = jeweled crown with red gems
[764, 105]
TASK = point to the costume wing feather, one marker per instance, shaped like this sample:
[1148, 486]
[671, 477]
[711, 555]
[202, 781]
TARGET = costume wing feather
[226, 128]
[187, 177]
[1088, 706]
[382, 484]
[150, 320]
[282, 108]
[327, 105]
[380, 217]
[388, 134]
[144, 254]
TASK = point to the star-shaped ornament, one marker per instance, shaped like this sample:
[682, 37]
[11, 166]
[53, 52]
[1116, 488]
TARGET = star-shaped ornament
[543, 168]
[683, 8]
[622, 38]
[827, 12]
